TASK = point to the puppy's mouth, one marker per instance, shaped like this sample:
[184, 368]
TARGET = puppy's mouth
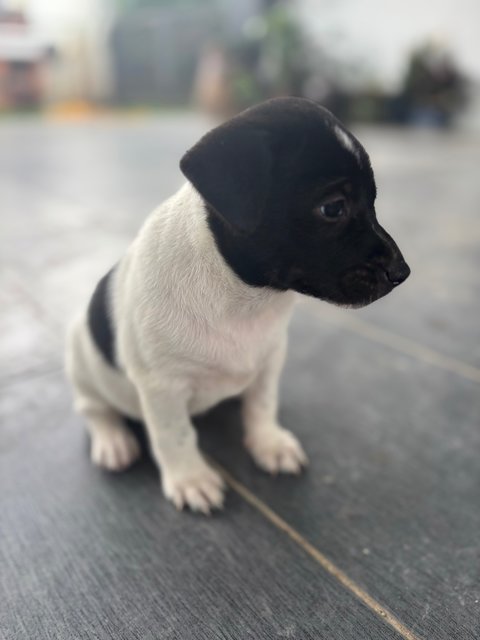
[357, 287]
[363, 285]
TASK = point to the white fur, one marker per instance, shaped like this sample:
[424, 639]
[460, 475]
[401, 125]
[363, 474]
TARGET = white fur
[346, 141]
[189, 333]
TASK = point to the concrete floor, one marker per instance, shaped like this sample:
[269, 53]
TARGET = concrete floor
[379, 539]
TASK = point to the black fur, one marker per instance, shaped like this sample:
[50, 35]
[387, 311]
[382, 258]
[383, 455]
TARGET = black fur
[100, 319]
[264, 176]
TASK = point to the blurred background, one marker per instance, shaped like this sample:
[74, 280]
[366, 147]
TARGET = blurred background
[365, 60]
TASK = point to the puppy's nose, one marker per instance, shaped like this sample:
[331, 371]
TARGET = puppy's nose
[398, 273]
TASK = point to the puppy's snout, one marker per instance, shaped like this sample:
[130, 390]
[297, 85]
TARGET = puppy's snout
[398, 272]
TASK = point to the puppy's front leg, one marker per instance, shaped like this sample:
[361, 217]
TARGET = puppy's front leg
[187, 480]
[273, 448]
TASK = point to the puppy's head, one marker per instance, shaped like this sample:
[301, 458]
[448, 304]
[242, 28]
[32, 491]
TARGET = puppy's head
[290, 198]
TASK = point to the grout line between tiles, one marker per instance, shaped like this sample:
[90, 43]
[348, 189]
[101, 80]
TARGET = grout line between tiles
[317, 555]
[401, 344]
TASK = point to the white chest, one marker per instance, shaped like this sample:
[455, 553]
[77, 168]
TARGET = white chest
[230, 363]
[212, 390]
[224, 371]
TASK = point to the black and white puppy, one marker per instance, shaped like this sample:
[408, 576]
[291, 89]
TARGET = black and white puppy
[279, 200]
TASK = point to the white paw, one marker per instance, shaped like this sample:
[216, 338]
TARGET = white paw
[196, 486]
[114, 449]
[276, 451]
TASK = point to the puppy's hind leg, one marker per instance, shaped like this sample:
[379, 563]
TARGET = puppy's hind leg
[113, 446]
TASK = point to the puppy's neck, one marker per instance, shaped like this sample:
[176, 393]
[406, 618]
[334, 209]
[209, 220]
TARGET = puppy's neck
[210, 275]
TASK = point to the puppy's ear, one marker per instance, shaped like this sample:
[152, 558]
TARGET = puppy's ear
[231, 168]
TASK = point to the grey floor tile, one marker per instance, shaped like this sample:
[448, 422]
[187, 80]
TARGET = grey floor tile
[56, 251]
[129, 165]
[64, 289]
[85, 554]
[391, 494]
[28, 343]
[430, 206]
[40, 232]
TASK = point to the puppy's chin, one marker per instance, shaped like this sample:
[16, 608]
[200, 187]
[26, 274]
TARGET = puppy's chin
[344, 301]
[359, 304]
[362, 286]
[356, 290]
[355, 302]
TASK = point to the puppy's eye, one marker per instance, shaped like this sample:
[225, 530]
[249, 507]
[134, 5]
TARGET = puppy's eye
[333, 210]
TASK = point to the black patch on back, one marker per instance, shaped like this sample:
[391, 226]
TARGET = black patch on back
[100, 319]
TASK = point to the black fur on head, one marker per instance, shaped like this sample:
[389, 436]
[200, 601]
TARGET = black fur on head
[290, 198]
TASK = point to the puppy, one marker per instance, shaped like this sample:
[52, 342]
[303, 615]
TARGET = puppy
[279, 200]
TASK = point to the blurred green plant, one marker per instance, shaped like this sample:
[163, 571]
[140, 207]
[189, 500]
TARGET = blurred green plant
[270, 58]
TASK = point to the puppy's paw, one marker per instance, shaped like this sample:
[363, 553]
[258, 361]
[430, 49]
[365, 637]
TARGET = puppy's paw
[276, 450]
[197, 486]
[114, 449]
